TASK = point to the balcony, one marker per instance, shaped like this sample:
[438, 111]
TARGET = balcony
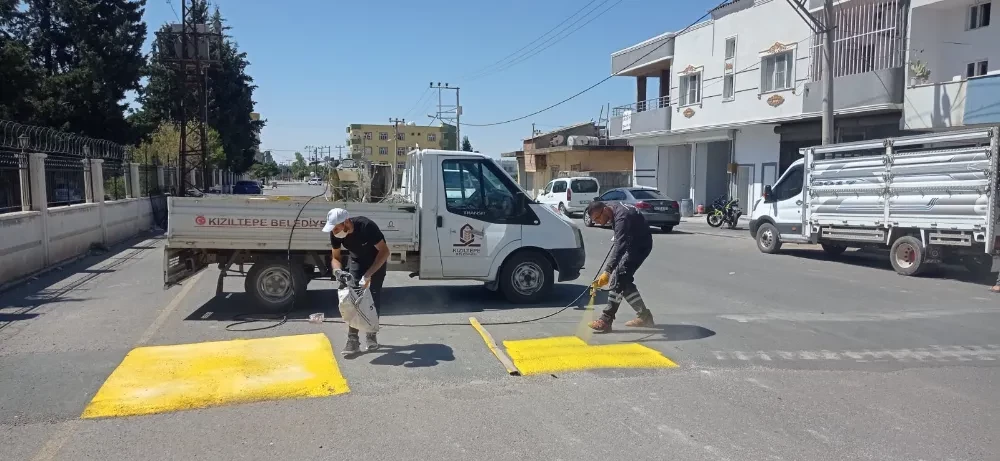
[882, 87]
[628, 62]
[957, 103]
[639, 118]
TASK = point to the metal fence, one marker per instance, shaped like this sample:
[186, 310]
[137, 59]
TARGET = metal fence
[65, 165]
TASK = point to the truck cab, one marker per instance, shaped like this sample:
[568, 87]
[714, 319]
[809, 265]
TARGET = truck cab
[781, 209]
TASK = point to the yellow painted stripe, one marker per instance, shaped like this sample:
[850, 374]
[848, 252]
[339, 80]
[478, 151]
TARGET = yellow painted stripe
[569, 353]
[187, 376]
[496, 350]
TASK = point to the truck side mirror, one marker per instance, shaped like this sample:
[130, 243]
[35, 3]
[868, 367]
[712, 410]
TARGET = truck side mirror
[768, 195]
[595, 199]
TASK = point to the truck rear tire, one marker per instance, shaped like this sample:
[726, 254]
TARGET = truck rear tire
[768, 240]
[275, 285]
[907, 256]
[526, 277]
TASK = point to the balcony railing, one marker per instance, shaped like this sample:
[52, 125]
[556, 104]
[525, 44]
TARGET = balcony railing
[935, 106]
[652, 115]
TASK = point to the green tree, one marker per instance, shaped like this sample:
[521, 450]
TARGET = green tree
[163, 145]
[230, 96]
[20, 79]
[87, 56]
[265, 170]
[466, 145]
[299, 167]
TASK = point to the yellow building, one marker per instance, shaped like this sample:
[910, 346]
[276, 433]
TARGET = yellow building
[378, 143]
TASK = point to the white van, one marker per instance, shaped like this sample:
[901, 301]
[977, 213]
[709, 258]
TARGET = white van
[570, 195]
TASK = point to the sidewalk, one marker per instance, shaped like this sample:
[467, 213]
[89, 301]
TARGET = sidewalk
[697, 225]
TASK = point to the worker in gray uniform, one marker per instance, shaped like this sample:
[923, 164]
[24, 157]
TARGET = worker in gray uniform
[632, 244]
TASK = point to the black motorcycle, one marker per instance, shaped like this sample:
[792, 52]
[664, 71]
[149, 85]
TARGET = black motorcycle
[723, 211]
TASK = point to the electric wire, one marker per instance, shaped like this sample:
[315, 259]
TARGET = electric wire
[640, 58]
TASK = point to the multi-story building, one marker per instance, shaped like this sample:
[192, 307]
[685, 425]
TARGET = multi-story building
[740, 93]
[954, 65]
[388, 145]
[568, 150]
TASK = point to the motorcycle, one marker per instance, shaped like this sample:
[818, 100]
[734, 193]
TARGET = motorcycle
[724, 211]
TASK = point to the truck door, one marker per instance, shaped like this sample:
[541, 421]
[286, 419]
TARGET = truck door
[477, 216]
[788, 202]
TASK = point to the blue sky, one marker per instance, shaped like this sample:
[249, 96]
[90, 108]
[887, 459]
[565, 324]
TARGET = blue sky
[321, 65]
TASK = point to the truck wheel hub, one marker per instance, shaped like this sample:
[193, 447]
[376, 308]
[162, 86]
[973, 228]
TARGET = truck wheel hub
[527, 278]
[275, 283]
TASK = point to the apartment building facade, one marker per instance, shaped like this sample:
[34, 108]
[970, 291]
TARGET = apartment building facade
[740, 93]
[953, 65]
[388, 145]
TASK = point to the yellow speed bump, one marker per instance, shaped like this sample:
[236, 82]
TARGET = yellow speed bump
[187, 376]
[569, 353]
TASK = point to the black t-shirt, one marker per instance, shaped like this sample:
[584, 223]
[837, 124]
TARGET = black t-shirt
[360, 243]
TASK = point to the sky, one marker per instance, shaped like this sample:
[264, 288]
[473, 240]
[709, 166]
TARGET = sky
[321, 65]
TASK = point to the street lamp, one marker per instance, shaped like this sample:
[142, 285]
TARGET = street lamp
[86, 151]
[23, 141]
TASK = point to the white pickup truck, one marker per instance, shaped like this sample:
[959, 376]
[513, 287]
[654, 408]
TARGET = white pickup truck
[929, 199]
[464, 219]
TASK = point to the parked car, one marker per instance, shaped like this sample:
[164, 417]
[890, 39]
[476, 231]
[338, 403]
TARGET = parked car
[569, 195]
[658, 209]
[247, 188]
[314, 182]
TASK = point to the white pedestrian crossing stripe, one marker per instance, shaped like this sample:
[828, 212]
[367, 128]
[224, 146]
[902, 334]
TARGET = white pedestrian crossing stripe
[989, 352]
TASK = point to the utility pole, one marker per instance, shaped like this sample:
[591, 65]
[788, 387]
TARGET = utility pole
[395, 156]
[822, 25]
[192, 48]
[340, 152]
[450, 113]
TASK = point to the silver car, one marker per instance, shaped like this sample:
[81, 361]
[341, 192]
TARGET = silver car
[658, 209]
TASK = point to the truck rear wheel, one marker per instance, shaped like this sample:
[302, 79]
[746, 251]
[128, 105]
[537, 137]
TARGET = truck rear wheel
[275, 285]
[907, 256]
[526, 277]
[768, 240]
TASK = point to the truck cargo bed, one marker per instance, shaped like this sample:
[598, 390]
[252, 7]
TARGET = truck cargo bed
[265, 223]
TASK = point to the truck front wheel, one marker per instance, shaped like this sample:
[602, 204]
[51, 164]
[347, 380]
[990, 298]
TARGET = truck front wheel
[907, 256]
[275, 285]
[526, 277]
[768, 240]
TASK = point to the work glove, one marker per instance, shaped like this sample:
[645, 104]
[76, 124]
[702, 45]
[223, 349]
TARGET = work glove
[602, 280]
[364, 282]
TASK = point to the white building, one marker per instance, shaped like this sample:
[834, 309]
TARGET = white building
[954, 65]
[739, 94]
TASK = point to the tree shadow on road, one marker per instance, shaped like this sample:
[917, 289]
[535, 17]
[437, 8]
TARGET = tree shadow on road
[669, 332]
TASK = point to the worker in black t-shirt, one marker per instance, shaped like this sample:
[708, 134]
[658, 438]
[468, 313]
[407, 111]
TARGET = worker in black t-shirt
[368, 254]
[632, 244]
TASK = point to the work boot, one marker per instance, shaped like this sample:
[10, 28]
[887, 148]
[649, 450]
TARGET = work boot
[601, 325]
[644, 319]
[371, 341]
[353, 346]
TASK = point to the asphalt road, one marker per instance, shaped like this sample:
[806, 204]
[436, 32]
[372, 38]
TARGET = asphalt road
[784, 357]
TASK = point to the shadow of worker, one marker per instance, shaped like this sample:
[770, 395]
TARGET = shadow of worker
[414, 355]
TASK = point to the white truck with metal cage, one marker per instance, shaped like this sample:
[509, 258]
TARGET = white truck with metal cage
[929, 199]
[463, 219]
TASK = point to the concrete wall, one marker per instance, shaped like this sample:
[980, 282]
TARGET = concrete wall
[756, 29]
[935, 106]
[884, 86]
[940, 39]
[756, 145]
[588, 160]
[29, 245]
[630, 57]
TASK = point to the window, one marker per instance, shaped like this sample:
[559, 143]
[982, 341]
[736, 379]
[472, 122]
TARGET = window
[728, 90]
[401, 136]
[559, 187]
[584, 186]
[647, 194]
[790, 185]
[400, 165]
[476, 189]
[691, 89]
[979, 15]
[730, 48]
[432, 137]
[400, 151]
[776, 72]
[548, 188]
[976, 69]
[383, 135]
[368, 135]
[613, 196]
[383, 151]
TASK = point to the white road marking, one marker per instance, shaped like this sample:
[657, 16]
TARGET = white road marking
[987, 353]
[856, 316]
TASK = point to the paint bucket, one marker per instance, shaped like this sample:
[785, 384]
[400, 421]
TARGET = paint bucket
[701, 209]
[687, 207]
